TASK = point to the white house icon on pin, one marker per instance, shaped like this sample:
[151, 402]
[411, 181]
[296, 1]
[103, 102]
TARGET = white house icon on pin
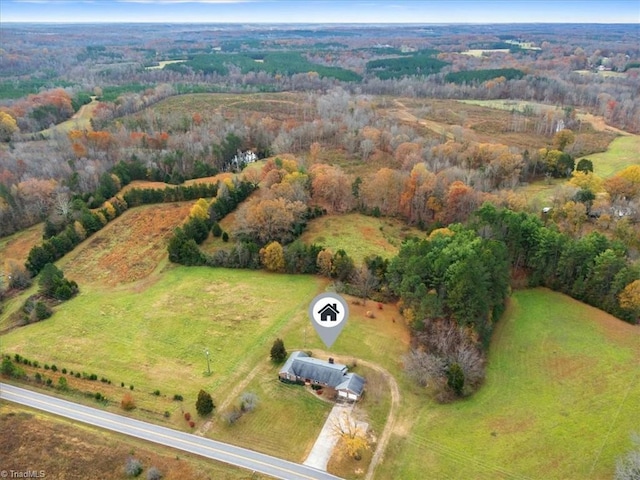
[329, 312]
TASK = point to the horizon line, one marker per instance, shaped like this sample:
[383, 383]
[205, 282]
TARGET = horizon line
[155, 22]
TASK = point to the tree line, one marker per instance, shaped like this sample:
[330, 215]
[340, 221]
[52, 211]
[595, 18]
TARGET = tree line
[480, 76]
[592, 268]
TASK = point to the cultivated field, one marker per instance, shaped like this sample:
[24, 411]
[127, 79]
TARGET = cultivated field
[560, 401]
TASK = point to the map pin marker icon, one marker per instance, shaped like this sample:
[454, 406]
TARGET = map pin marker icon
[328, 313]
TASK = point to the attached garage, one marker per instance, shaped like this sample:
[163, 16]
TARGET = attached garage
[351, 388]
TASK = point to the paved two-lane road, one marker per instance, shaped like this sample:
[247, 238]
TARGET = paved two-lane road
[205, 447]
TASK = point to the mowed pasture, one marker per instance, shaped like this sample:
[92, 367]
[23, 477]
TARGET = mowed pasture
[148, 325]
[560, 401]
[359, 235]
[622, 152]
[155, 338]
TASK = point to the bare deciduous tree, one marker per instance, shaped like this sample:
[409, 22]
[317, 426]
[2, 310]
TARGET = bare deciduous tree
[364, 282]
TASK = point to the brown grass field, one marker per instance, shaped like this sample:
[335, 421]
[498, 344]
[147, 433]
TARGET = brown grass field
[145, 184]
[17, 246]
[128, 249]
[65, 450]
[279, 106]
[482, 122]
[489, 123]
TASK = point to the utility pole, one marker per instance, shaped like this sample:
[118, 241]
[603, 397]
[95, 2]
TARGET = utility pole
[206, 352]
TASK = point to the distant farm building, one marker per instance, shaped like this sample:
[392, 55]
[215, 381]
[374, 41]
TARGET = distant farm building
[242, 159]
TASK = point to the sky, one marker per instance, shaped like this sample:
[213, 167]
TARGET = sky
[321, 11]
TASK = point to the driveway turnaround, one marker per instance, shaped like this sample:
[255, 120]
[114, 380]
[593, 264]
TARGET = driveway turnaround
[222, 452]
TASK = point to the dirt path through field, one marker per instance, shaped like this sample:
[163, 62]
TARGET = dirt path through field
[383, 440]
[402, 113]
[599, 124]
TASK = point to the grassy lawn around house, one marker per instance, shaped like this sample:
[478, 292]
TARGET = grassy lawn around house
[153, 335]
[285, 423]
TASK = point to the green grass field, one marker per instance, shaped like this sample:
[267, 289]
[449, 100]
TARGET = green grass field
[153, 335]
[155, 339]
[560, 401]
[359, 235]
[539, 194]
[622, 152]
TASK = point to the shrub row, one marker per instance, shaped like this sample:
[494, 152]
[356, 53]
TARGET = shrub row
[63, 237]
[183, 245]
[74, 232]
[143, 196]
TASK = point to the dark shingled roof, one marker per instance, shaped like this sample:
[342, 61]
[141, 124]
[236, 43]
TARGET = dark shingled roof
[303, 366]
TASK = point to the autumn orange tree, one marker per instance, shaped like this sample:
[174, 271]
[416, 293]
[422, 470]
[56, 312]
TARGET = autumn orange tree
[265, 220]
[272, 257]
[8, 126]
[381, 191]
[331, 188]
[629, 299]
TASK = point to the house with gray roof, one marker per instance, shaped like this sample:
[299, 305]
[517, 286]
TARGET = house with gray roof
[333, 377]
